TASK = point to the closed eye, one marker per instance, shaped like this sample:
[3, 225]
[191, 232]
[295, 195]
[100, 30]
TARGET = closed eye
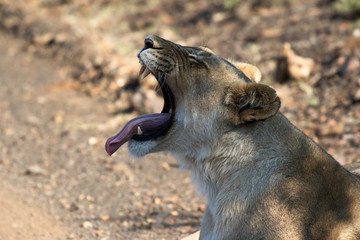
[195, 60]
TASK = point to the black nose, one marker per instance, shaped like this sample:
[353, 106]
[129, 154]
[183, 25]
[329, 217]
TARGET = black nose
[149, 43]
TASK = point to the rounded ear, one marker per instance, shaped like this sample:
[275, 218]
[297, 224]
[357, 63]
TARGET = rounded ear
[249, 102]
[252, 72]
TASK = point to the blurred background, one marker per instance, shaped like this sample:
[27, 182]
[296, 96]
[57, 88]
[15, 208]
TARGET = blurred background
[69, 80]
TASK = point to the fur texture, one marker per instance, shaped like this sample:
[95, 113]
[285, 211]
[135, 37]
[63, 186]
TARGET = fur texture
[261, 176]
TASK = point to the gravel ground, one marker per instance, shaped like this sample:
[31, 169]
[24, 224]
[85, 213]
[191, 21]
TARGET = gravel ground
[57, 181]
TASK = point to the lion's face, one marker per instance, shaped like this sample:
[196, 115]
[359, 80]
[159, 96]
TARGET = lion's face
[204, 95]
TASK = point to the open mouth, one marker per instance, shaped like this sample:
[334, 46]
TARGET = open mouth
[146, 127]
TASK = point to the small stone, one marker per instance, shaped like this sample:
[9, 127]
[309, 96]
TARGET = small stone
[171, 199]
[157, 201]
[218, 17]
[357, 96]
[71, 236]
[87, 224]
[202, 207]
[90, 198]
[43, 39]
[58, 118]
[81, 197]
[120, 82]
[35, 170]
[125, 223]
[104, 218]
[322, 118]
[41, 100]
[165, 166]
[68, 206]
[9, 131]
[291, 64]
[174, 213]
[92, 141]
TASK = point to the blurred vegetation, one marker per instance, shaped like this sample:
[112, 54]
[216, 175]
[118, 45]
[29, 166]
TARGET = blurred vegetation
[230, 4]
[345, 7]
[348, 7]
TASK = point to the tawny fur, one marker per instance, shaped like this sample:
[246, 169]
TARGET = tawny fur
[251, 102]
[261, 176]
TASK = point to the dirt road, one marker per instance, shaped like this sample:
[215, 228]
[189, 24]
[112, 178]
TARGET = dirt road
[22, 217]
[57, 181]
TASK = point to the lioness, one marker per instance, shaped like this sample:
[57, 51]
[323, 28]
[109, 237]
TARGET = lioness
[261, 176]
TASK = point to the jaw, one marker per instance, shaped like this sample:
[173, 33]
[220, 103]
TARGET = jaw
[145, 132]
[161, 131]
[139, 149]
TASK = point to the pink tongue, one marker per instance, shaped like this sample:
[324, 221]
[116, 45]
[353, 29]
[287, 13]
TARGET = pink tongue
[150, 124]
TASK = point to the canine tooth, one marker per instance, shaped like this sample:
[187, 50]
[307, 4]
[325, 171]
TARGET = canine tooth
[139, 132]
[145, 73]
[142, 69]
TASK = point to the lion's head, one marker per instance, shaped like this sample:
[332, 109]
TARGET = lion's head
[204, 95]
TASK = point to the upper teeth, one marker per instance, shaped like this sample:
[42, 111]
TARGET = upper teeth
[139, 132]
[144, 71]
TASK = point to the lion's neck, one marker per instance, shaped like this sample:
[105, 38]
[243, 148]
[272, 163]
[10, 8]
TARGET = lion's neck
[255, 153]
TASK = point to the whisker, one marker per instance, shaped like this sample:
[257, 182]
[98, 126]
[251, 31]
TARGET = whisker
[157, 87]
[161, 80]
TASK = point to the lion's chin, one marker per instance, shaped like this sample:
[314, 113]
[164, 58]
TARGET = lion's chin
[140, 148]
